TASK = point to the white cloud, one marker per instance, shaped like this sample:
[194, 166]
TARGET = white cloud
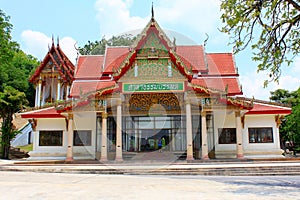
[201, 16]
[195, 16]
[253, 84]
[114, 17]
[67, 44]
[37, 44]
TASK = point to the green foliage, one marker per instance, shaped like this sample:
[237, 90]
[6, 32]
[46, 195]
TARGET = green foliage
[272, 27]
[15, 69]
[98, 47]
[11, 101]
[290, 127]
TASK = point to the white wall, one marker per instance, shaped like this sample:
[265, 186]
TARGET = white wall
[227, 120]
[85, 121]
[224, 119]
[82, 121]
[261, 121]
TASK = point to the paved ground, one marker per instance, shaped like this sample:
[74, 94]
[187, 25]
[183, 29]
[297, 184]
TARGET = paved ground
[8, 165]
[32, 185]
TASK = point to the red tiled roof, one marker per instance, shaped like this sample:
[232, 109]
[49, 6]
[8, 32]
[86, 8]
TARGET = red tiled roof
[50, 112]
[116, 63]
[220, 64]
[219, 83]
[194, 55]
[64, 66]
[259, 108]
[83, 87]
[89, 67]
[112, 53]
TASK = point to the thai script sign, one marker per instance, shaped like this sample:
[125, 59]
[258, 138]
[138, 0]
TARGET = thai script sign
[153, 87]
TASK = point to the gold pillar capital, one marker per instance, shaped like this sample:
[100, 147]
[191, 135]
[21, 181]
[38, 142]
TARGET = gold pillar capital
[70, 116]
[104, 115]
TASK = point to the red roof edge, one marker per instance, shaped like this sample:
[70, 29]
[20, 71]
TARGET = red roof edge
[269, 112]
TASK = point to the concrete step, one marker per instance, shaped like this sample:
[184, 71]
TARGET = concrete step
[16, 153]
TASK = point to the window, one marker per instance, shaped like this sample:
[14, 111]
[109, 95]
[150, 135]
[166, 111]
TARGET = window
[260, 135]
[82, 138]
[51, 138]
[136, 70]
[169, 70]
[227, 135]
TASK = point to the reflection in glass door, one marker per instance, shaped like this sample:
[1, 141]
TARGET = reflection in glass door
[146, 133]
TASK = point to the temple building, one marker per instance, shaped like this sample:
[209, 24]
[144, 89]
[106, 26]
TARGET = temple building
[152, 96]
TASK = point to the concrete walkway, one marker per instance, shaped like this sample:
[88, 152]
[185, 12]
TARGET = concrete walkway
[175, 168]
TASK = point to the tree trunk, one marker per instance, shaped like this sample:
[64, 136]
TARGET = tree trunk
[7, 135]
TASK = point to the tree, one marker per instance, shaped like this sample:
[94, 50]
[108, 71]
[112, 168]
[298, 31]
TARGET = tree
[98, 47]
[290, 127]
[7, 47]
[15, 68]
[280, 96]
[276, 25]
[11, 101]
[21, 68]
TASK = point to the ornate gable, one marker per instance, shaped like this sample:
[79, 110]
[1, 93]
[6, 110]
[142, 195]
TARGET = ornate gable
[55, 65]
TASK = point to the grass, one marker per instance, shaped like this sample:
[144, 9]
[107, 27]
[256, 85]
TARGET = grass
[26, 148]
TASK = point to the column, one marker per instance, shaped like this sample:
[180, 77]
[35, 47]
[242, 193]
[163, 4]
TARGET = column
[58, 89]
[68, 92]
[189, 135]
[36, 95]
[70, 138]
[104, 138]
[39, 93]
[239, 136]
[204, 136]
[119, 156]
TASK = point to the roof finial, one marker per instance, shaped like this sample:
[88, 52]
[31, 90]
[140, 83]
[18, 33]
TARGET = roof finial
[57, 40]
[152, 12]
[52, 40]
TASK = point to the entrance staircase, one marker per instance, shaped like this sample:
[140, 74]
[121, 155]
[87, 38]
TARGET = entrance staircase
[154, 156]
[16, 153]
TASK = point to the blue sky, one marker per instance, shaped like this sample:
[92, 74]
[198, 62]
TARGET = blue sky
[76, 22]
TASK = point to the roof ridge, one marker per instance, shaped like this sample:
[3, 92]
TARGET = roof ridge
[266, 102]
[117, 46]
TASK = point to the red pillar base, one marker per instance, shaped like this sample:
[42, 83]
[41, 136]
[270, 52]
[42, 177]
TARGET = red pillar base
[70, 159]
[240, 156]
[205, 157]
[190, 158]
[119, 159]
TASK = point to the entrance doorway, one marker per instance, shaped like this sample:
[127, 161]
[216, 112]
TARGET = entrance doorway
[143, 133]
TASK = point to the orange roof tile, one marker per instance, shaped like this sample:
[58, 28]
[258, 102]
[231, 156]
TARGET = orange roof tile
[260, 108]
[194, 55]
[89, 67]
[116, 63]
[83, 87]
[112, 53]
[50, 112]
[220, 63]
[219, 83]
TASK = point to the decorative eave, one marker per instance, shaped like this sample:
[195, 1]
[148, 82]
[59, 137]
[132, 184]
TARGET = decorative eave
[142, 36]
[181, 66]
[240, 102]
[207, 90]
[65, 64]
[125, 65]
[104, 91]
